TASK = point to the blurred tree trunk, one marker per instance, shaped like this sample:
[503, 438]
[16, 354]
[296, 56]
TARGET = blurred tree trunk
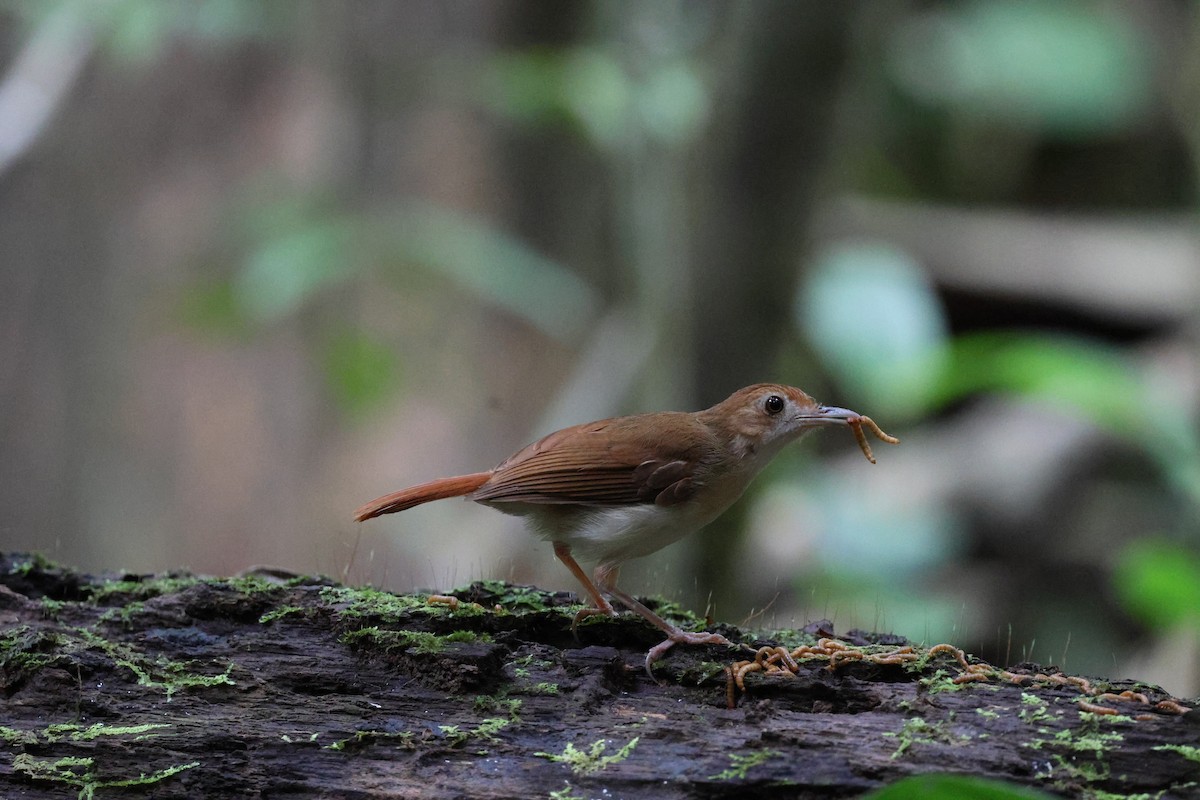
[756, 192]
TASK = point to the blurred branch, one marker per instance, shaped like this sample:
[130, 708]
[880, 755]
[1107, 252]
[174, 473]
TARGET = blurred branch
[1099, 382]
[40, 79]
[1136, 268]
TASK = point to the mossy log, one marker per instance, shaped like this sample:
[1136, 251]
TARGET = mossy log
[267, 685]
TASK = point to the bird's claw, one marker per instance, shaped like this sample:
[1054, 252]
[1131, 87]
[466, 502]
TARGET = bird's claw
[682, 637]
[590, 611]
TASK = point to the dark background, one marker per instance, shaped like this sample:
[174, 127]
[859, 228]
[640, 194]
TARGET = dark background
[263, 261]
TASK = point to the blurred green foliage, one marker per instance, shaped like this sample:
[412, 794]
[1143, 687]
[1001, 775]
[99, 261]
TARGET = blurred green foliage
[954, 787]
[1063, 67]
[498, 269]
[299, 251]
[211, 306]
[362, 372]
[593, 90]
[1158, 581]
[878, 326]
[875, 320]
[295, 254]
[139, 28]
[135, 31]
[291, 251]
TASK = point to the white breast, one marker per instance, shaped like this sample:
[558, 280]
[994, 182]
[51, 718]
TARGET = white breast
[614, 534]
[617, 534]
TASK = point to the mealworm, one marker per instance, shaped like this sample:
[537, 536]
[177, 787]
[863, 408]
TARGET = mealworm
[857, 426]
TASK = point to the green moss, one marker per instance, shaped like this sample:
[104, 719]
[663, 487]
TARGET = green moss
[1069, 770]
[1034, 710]
[524, 666]
[36, 562]
[491, 704]
[790, 639]
[740, 764]
[530, 660]
[143, 589]
[912, 731]
[458, 611]
[135, 592]
[279, 613]
[419, 642]
[485, 730]
[24, 651]
[375, 605]
[79, 772]
[988, 713]
[511, 598]
[942, 681]
[124, 614]
[12, 736]
[1190, 753]
[1096, 720]
[1080, 753]
[1087, 737]
[917, 730]
[454, 735]
[156, 673]
[246, 584]
[77, 733]
[592, 760]
[566, 793]
[702, 672]
[69, 731]
[52, 608]
[406, 739]
[488, 728]
[1089, 741]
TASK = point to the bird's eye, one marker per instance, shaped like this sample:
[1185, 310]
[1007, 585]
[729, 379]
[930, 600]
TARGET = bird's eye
[773, 404]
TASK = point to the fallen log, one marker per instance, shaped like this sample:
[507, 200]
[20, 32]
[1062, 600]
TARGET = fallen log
[264, 684]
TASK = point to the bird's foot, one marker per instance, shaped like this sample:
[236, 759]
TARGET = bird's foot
[677, 636]
[591, 611]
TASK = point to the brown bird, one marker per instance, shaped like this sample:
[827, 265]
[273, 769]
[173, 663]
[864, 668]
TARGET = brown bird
[621, 488]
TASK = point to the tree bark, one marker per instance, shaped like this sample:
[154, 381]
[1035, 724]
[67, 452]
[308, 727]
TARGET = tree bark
[268, 684]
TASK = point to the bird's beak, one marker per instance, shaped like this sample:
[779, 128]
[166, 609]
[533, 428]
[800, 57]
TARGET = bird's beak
[829, 415]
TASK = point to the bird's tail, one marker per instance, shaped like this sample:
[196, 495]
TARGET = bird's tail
[416, 495]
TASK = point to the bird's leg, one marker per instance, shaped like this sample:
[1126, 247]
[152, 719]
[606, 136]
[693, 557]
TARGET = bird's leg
[600, 605]
[604, 581]
[674, 635]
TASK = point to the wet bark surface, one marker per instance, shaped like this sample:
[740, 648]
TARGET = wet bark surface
[273, 685]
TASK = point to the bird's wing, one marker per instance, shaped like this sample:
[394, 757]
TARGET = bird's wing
[605, 463]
